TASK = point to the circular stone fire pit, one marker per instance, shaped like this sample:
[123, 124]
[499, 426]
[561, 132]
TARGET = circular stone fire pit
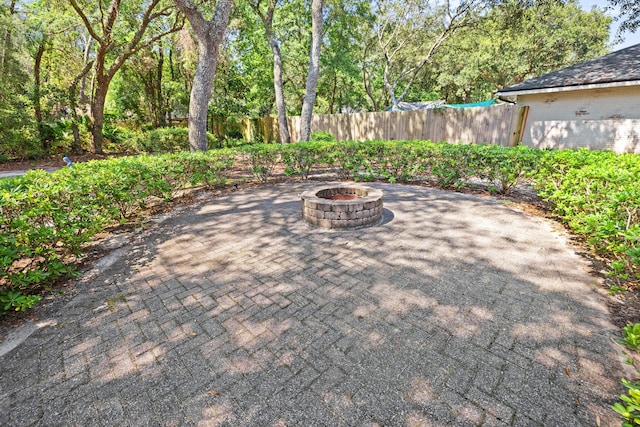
[342, 206]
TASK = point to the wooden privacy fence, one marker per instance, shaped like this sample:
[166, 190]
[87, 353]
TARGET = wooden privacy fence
[501, 124]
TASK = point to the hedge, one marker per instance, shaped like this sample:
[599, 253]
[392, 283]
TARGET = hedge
[46, 219]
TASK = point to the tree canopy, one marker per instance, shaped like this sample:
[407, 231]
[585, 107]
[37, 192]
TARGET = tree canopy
[629, 14]
[76, 72]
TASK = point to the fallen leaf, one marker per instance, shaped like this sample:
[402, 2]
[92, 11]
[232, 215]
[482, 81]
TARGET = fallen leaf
[566, 370]
[598, 420]
[214, 393]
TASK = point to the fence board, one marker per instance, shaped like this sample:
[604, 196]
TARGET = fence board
[494, 125]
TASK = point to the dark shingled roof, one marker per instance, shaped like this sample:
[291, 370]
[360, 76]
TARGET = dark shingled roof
[620, 66]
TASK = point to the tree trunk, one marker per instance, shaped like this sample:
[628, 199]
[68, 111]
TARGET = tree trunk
[209, 35]
[285, 136]
[201, 94]
[391, 90]
[6, 45]
[37, 101]
[97, 115]
[367, 88]
[333, 94]
[76, 146]
[160, 116]
[83, 86]
[314, 70]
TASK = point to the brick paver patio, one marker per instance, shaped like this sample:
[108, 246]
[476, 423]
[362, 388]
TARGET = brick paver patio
[457, 310]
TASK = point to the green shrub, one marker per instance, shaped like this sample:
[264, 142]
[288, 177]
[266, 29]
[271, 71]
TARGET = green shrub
[192, 169]
[598, 195]
[394, 160]
[170, 140]
[629, 409]
[120, 139]
[346, 158]
[448, 164]
[61, 132]
[300, 158]
[47, 218]
[502, 167]
[14, 300]
[321, 137]
[631, 336]
[229, 142]
[262, 159]
[20, 145]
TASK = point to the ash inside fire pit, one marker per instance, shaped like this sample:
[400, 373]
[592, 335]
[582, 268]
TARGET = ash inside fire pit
[341, 197]
[343, 206]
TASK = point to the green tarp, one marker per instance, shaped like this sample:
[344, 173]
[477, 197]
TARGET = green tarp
[487, 103]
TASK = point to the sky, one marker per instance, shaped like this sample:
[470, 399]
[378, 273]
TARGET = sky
[629, 38]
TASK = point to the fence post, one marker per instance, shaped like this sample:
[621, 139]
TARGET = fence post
[521, 122]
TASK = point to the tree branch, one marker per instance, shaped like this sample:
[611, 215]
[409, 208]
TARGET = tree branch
[190, 10]
[132, 50]
[86, 22]
[111, 19]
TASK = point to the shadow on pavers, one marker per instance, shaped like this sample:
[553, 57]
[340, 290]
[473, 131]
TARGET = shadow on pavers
[459, 310]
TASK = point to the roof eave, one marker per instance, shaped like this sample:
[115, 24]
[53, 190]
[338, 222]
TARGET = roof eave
[568, 88]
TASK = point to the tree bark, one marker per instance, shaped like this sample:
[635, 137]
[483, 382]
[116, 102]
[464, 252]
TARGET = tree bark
[366, 79]
[76, 147]
[37, 101]
[97, 114]
[209, 35]
[314, 70]
[6, 45]
[278, 85]
[84, 102]
[201, 93]
[160, 112]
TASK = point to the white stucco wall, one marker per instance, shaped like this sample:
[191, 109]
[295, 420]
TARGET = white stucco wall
[598, 119]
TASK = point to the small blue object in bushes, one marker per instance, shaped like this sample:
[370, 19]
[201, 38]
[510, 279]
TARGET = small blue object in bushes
[67, 161]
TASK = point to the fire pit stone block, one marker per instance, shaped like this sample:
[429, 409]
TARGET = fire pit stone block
[342, 206]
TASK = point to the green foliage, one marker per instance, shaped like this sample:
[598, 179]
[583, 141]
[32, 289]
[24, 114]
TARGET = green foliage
[262, 159]
[615, 290]
[14, 300]
[229, 142]
[495, 52]
[629, 14]
[392, 160]
[503, 168]
[120, 139]
[18, 133]
[346, 158]
[321, 137]
[47, 218]
[629, 408]
[598, 195]
[448, 165]
[301, 157]
[169, 140]
[632, 336]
